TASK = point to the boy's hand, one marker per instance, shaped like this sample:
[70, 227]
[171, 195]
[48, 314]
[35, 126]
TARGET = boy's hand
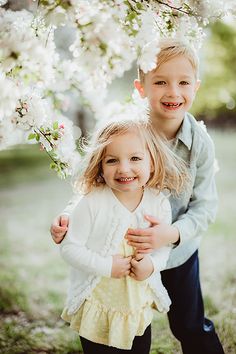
[59, 228]
[141, 267]
[153, 237]
[120, 266]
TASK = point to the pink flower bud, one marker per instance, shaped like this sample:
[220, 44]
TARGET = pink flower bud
[61, 126]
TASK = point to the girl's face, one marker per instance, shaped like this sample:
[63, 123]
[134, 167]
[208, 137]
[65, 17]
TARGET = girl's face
[126, 164]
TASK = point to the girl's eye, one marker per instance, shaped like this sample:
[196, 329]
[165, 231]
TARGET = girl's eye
[184, 83]
[135, 158]
[160, 83]
[110, 161]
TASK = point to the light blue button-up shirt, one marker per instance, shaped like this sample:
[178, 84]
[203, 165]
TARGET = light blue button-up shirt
[194, 209]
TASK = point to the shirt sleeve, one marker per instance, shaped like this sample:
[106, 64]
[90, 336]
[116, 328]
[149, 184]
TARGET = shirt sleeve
[74, 247]
[202, 207]
[160, 257]
[71, 204]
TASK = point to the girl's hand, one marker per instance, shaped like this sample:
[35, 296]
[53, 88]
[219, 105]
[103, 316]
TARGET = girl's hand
[141, 267]
[59, 228]
[120, 266]
[151, 238]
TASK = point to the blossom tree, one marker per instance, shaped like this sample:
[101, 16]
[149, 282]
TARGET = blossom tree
[109, 37]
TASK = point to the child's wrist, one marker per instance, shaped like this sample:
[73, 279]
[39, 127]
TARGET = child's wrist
[175, 236]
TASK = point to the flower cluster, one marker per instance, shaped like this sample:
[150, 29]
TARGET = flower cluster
[108, 37]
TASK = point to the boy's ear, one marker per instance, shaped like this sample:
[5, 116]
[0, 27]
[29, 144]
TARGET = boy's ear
[197, 85]
[139, 87]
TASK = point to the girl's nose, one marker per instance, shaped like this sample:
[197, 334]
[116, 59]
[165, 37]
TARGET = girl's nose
[123, 167]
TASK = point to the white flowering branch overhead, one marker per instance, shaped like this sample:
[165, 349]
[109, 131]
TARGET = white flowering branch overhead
[109, 37]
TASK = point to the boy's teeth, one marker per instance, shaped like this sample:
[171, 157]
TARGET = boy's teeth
[126, 179]
[172, 104]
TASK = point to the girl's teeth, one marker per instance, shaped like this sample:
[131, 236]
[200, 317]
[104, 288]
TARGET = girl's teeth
[126, 179]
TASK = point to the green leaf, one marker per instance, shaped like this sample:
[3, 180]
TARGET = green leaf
[31, 136]
[53, 166]
[55, 125]
[139, 6]
[55, 135]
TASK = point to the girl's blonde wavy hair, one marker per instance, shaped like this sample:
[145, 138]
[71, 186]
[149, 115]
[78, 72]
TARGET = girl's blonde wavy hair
[169, 171]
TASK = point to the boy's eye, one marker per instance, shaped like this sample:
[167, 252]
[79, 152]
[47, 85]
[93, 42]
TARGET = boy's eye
[110, 161]
[135, 158]
[184, 83]
[160, 83]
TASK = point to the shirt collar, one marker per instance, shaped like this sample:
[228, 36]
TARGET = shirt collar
[184, 133]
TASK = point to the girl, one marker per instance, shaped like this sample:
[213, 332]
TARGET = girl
[112, 289]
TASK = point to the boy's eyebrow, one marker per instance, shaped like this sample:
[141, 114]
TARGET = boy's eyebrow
[159, 76]
[165, 75]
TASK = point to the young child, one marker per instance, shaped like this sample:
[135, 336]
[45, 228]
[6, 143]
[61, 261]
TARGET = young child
[170, 89]
[125, 170]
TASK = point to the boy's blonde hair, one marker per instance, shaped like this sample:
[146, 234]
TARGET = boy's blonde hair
[169, 171]
[171, 48]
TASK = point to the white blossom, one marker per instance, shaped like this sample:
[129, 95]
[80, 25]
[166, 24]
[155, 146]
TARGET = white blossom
[10, 94]
[109, 37]
[148, 58]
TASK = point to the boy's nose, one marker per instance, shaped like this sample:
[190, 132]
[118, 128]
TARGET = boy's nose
[173, 91]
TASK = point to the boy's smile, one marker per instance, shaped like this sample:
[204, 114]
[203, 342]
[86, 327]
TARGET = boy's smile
[170, 89]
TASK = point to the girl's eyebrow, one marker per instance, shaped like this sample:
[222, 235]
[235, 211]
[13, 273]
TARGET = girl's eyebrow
[133, 153]
[109, 156]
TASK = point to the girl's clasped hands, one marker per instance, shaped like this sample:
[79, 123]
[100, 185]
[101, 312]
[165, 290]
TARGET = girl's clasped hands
[137, 266]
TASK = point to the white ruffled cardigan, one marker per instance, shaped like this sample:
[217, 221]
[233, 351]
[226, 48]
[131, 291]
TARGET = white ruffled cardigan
[96, 229]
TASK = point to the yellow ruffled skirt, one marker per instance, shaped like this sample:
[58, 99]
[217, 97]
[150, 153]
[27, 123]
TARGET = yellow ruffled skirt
[116, 311]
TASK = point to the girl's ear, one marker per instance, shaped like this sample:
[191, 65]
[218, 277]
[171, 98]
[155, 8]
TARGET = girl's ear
[140, 88]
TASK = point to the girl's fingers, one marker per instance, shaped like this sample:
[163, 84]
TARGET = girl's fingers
[145, 251]
[140, 246]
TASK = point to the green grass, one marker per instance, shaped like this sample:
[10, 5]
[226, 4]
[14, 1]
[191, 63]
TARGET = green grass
[14, 163]
[33, 280]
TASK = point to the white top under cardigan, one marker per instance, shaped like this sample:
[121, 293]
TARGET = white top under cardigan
[97, 227]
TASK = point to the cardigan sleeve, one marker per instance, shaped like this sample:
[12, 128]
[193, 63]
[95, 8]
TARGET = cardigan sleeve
[160, 257]
[71, 204]
[74, 247]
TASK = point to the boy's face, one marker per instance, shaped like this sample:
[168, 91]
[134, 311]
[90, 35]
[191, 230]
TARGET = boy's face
[170, 89]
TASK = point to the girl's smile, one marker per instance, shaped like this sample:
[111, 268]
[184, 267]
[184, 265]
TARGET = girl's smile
[126, 165]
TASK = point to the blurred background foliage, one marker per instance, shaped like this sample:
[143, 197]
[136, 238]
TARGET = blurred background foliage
[216, 99]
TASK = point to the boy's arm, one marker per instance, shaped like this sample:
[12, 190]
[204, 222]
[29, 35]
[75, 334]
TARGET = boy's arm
[202, 207]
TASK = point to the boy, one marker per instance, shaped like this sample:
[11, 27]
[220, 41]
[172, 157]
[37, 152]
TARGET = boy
[170, 89]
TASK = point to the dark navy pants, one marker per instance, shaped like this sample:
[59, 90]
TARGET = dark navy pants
[186, 316]
[141, 345]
